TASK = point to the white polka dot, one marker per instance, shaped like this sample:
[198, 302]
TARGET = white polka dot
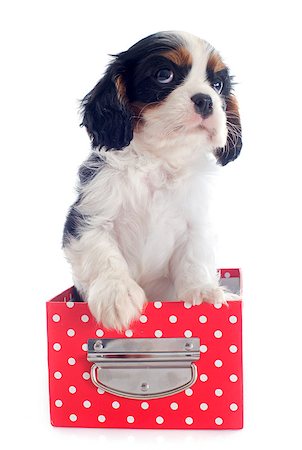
[73, 417]
[130, 419]
[144, 405]
[159, 420]
[203, 319]
[233, 378]
[189, 420]
[56, 318]
[203, 348]
[57, 375]
[233, 319]
[70, 332]
[72, 389]
[187, 305]
[115, 405]
[188, 392]
[218, 392]
[158, 333]
[84, 347]
[86, 404]
[218, 421]
[188, 333]
[100, 391]
[218, 305]
[99, 333]
[233, 407]
[70, 304]
[157, 305]
[101, 418]
[203, 377]
[203, 406]
[143, 319]
[129, 333]
[233, 349]
[218, 363]
[173, 319]
[84, 318]
[227, 275]
[71, 361]
[58, 403]
[174, 406]
[86, 375]
[218, 334]
[57, 347]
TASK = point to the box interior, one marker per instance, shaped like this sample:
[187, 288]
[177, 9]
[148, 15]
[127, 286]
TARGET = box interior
[229, 279]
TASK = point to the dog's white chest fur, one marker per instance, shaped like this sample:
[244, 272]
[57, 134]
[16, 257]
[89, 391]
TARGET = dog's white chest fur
[150, 223]
[161, 207]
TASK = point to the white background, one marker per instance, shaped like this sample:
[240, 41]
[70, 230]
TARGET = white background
[53, 52]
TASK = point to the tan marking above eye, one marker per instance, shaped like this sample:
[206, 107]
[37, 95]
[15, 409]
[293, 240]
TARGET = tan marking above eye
[215, 62]
[180, 56]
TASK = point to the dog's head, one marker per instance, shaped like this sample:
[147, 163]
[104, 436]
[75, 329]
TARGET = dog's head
[168, 86]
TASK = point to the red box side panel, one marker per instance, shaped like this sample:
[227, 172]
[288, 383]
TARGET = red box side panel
[213, 402]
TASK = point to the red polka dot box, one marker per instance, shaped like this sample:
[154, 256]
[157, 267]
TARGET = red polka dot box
[176, 367]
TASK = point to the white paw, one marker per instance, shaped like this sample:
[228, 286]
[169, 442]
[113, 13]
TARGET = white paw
[208, 294]
[116, 302]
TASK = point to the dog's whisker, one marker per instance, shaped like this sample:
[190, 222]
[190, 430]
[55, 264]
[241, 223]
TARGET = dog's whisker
[234, 129]
[236, 124]
[232, 113]
[139, 117]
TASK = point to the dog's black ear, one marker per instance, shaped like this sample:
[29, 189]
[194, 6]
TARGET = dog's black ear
[106, 115]
[233, 146]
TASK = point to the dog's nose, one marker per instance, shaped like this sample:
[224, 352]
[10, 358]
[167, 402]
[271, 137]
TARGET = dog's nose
[203, 104]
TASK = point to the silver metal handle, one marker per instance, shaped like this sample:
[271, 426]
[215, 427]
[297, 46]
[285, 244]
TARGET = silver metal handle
[143, 368]
[143, 387]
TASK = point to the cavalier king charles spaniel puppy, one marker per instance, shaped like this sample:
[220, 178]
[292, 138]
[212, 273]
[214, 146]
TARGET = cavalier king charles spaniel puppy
[160, 120]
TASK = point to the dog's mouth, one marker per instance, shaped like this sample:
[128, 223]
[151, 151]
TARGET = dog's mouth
[212, 132]
[215, 136]
[201, 124]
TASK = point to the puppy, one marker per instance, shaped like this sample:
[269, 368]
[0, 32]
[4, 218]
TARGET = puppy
[161, 118]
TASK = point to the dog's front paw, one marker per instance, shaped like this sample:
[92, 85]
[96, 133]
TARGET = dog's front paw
[208, 294]
[116, 302]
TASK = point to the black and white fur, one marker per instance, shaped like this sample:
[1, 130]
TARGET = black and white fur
[140, 228]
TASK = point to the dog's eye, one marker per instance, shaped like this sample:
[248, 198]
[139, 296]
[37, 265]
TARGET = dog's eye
[218, 86]
[164, 76]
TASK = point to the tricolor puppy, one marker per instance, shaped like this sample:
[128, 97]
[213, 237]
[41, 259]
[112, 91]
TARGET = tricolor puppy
[161, 118]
